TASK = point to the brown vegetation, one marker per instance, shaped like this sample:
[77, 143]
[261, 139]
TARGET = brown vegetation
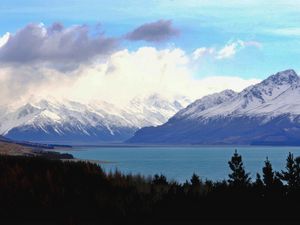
[14, 149]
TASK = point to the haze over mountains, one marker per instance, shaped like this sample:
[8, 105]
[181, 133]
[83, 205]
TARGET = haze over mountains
[266, 113]
[73, 122]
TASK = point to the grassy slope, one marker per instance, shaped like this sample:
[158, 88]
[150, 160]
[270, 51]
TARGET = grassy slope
[14, 149]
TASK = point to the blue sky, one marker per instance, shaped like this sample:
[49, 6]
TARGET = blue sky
[201, 23]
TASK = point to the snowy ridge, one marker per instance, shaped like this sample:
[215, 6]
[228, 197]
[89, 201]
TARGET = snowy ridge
[265, 113]
[274, 96]
[51, 120]
[205, 103]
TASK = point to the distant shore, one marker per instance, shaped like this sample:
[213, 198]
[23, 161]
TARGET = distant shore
[14, 149]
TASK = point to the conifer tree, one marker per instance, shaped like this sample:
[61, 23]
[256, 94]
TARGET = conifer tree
[258, 181]
[258, 185]
[238, 177]
[268, 174]
[290, 175]
[297, 171]
[159, 180]
[195, 180]
[195, 184]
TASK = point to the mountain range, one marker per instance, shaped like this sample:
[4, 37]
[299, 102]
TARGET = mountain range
[65, 121]
[267, 113]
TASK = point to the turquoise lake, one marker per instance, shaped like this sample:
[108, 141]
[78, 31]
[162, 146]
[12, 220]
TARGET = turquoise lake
[179, 163]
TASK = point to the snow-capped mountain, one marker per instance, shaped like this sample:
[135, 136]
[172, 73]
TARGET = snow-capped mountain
[266, 113]
[68, 121]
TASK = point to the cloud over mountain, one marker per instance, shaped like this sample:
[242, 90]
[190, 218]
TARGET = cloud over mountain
[54, 44]
[74, 63]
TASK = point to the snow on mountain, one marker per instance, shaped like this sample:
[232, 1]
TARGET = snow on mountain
[276, 95]
[268, 112]
[154, 110]
[69, 121]
[205, 103]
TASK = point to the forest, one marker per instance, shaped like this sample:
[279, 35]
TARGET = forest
[65, 192]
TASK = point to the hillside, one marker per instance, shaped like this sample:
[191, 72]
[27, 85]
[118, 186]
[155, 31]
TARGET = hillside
[13, 149]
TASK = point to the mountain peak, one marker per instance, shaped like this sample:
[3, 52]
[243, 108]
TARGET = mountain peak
[206, 102]
[283, 77]
[265, 113]
[228, 92]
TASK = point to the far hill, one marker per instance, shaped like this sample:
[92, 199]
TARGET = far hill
[8, 147]
[13, 149]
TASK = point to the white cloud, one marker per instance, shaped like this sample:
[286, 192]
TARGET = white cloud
[200, 52]
[214, 84]
[123, 76]
[228, 51]
[34, 64]
[4, 39]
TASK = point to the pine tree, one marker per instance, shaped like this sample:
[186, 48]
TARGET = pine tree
[268, 174]
[159, 180]
[238, 177]
[195, 180]
[297, 171]
[195, 184]
[290, 175]
[258, 185]
[258, 182]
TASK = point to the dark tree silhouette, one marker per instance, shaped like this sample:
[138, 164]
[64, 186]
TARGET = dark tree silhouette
[272, 183]
[195, 188]
[195, 180]
[258, 181]
[297, 171]
[238, 177]
[159, 180]
[36, 188]
[268, 174]
[291, 175]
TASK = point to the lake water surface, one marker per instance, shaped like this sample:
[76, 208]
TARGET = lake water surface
[179, 163]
